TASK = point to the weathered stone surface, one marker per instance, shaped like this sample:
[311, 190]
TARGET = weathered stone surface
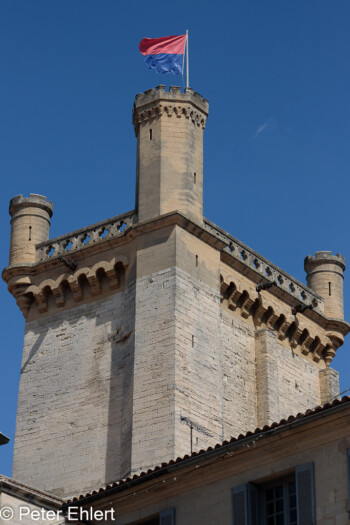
[158, 331]
[74, 398]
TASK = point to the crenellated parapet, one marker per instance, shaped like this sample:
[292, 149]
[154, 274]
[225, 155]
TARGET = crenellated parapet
[155, 103]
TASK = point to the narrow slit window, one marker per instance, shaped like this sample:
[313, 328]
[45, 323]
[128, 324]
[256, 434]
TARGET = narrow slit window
[192, 341]
[330, 288]
[30, 233]
[195, 178]
[150, 134]
[197, 261]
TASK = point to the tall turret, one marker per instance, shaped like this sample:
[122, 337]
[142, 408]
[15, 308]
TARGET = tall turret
[325, 276]
[169, 129]
[30, 224]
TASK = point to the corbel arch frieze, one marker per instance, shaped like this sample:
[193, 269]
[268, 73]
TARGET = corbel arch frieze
[287, 328]
[170, 110]
[113, 270]
[39, 297]
[55, 288]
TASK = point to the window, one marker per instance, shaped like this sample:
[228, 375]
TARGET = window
[285, 501]
[279, 503]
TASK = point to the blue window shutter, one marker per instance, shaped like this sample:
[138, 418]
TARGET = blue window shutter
[245, 505]
[253, 504]
[167, 517]
[348, 462]
[305, 485]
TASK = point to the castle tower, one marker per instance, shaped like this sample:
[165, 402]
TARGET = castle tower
[169, 129]
[325, 275]
[30, 225]
[151, 334]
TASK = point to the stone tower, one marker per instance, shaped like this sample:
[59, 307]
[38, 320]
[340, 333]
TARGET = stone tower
[155, 332]
[169, 152]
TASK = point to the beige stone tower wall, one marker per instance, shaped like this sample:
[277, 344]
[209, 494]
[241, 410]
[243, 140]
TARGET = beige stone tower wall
[30, 224]
[74, 414]
[169, 129]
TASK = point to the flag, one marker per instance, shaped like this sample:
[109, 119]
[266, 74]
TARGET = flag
[164, 55]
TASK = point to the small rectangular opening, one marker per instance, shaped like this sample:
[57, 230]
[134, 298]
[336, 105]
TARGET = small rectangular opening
[150, 134]
[30, 233]
[192, 341]
[330, 288]
[197, 261]
[195, 178]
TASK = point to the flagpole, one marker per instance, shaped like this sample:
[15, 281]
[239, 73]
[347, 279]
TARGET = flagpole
[187, 62]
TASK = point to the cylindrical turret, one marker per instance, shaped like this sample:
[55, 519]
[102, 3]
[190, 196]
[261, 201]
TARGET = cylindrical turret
[30, 224]
[169, 129]
[325, 276]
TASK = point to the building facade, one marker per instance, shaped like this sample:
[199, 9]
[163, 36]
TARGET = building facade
[156, 334]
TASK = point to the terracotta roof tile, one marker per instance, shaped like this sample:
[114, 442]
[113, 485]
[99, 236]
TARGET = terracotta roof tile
[266, 428]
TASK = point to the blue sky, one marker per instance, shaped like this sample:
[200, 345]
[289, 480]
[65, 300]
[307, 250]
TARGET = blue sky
[277, 154]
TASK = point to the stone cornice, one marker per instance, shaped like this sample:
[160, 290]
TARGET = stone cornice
[246, 260]
[19, 277]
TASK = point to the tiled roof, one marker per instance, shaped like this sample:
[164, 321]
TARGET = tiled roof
[28, 493]
[301, 417]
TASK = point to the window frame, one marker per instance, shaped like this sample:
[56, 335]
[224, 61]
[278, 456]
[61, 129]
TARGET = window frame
[277, 482]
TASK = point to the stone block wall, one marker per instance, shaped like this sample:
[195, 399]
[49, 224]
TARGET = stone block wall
[118, 383]
[286, 383]
[239, 380]
[74, 407]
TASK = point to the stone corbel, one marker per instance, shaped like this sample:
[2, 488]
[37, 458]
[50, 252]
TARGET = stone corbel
[94, 283]
[41, 300]
[24, 303]
[58, 295]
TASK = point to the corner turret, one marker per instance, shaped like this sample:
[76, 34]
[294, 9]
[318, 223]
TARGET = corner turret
[325, 277]
[30, 225]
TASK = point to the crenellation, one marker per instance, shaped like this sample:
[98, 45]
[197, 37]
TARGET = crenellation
[174, 94]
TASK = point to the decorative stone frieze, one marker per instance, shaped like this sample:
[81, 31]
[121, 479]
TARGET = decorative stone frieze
[287, 327]
[239, 255]
[76, 283]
